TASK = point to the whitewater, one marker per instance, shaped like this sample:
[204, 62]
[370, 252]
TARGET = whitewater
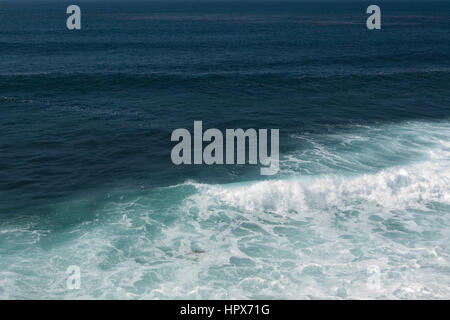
[373, 197]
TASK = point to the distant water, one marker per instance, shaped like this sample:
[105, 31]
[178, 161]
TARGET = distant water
[85, 171]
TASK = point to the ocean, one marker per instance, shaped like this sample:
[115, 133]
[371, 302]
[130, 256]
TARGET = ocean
[360, 208]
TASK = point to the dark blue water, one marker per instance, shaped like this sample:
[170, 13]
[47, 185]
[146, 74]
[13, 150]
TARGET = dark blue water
[85, 171]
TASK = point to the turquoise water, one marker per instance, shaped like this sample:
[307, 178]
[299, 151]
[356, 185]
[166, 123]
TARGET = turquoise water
[86, 177]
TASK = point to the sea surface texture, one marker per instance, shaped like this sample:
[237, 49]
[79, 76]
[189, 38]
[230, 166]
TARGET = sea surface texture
[360, 208]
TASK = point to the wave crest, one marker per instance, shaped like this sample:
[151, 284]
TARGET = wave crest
[394, 188]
